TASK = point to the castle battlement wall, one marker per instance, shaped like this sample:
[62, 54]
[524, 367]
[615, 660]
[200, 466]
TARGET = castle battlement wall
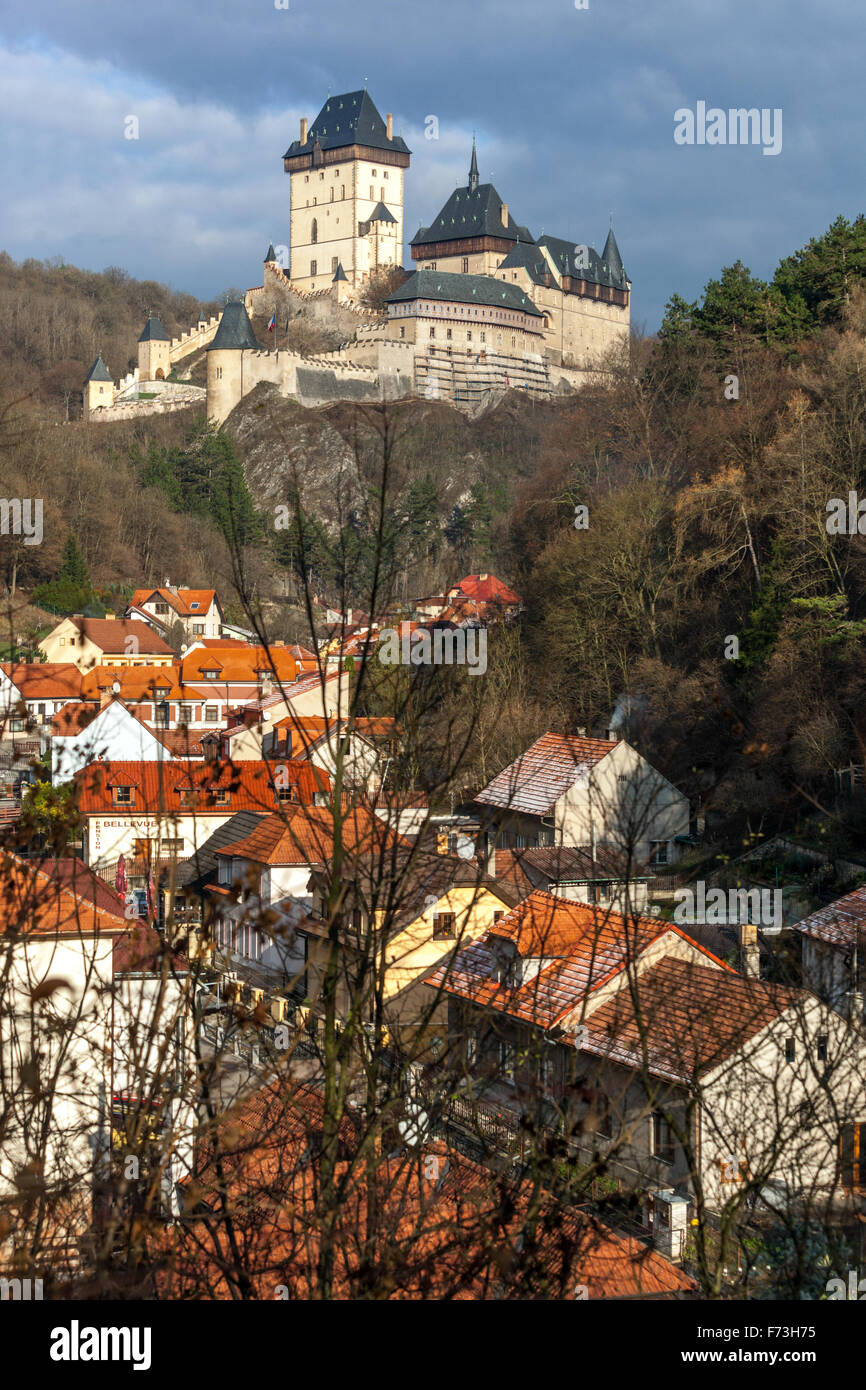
[193, 338]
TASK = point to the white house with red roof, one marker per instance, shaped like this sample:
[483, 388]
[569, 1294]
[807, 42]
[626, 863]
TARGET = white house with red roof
[198, 610]
[834, 954]
[89, 642]
[571, 790]
[647, 1049]
[82, 734]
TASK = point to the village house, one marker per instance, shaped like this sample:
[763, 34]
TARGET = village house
[89, 642]
[442, 902]
[833, 943]
[572, 790]
[160, 812]
[82, 733]
[32, 692]
[637, 1044]
[113, 1031]
[198, 611]
[567, 871]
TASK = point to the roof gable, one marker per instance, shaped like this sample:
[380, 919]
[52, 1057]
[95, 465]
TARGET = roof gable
[535, 781]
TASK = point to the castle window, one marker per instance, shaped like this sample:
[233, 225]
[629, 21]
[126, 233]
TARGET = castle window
[321, 176]
[484, 337]
[372, 192]
[332, 195]
[402, 330]
[469, 335]
[374, 173]
[432, 332]
[513, 341]
[342, 190]
[219, 373]
[315, 201]
[382, 192]
[385, 174]
[306, 178]
[333, 263]
[465, 265]
[448, 333]
[314, 267]
[314, 234]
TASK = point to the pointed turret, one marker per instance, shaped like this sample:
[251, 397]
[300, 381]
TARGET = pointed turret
[610, 255]
[473, 169]
[339, 273]
[98, 372]
[154, 351]
[271, 256]
[235, 332]
[98, 388]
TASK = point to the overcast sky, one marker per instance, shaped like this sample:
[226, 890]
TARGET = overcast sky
[573, 111]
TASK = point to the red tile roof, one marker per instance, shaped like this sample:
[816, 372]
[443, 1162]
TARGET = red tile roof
[536, 780]
[485, 587]
[840, 923]
[685, 1019]
[239, 664]
[581, 947]
[45, 680]
[43, 898]
[305, 835]
[159, 786]
[113, 634]
[181, 600]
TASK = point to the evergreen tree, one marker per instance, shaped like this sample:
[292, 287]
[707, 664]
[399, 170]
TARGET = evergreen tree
[71, 591]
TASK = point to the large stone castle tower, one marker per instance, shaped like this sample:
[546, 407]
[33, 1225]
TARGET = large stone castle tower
[346, 175]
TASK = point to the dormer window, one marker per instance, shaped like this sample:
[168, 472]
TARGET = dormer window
[187, 796]
[210, 674]
[222, 796]
[194, 605]
[443, 926]
[123, 796]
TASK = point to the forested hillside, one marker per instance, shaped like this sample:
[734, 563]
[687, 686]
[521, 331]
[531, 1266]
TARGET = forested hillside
[705, 460]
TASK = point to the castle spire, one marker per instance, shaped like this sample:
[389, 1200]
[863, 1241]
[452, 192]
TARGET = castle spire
[473, 169]
[611, 255]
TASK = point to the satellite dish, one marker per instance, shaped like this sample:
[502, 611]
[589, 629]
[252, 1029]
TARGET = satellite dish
[415, 1126]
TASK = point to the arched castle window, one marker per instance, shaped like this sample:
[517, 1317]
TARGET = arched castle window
[314, 235]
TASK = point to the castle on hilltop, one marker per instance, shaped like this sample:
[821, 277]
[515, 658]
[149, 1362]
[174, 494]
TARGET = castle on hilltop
[488, 306]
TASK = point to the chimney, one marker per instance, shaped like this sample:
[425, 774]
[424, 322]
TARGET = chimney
[490, 852]
[303, 130]
[389, 126]
[750, 955]
[503, 212]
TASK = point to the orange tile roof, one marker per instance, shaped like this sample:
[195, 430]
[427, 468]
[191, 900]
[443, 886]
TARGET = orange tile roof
[45, 680]
[38, 897]
[536, 780]
[239, 664]
[180, 601]
[159, 786]
[113, 634]
[459, 1233]
[685, 1018]
[581, 946]
[141, 683]
[305, 835]
[485, 587]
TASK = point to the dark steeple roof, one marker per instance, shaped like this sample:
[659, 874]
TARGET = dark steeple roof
[473, 169]
[611, 254]
[598, 271]
[98, 372]
[350, 119]
[381, 214]
[272, 255]
[471, 212]
[153, 331]
[339, 273]
[235, 329]
[463, 289]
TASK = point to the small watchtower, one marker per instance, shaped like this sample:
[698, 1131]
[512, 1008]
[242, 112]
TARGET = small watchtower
[98, 388]
[154, 359]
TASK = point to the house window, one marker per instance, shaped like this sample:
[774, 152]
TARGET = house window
[225, 871]
[497, 916]
[471, 1048]
[852, 1155]
[160, 608]
[187, 796]
[465, 265]
[211, 714]
[314, 267]
[443, 926]
[210, 675]
[790, 1050]
[357, 919]
[222, 796]
[123, 796]
[198, 629]
[822, 1047]
[194, 605]
[506, 1059]
[662, 1138]
[184, 714]
[658, 852]
[372, 193]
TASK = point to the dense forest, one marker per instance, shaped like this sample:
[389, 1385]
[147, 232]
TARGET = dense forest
[667, 527]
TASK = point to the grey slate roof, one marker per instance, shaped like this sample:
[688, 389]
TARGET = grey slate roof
[153, 331]
[98, 372]
[611, 255]
[598, 272]
[272, 255]
[523, 256]
[235, 329]
[471, 212]
[350, 119]
[204, 861]
[381, 214]
[464, 289]
[339, 273]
